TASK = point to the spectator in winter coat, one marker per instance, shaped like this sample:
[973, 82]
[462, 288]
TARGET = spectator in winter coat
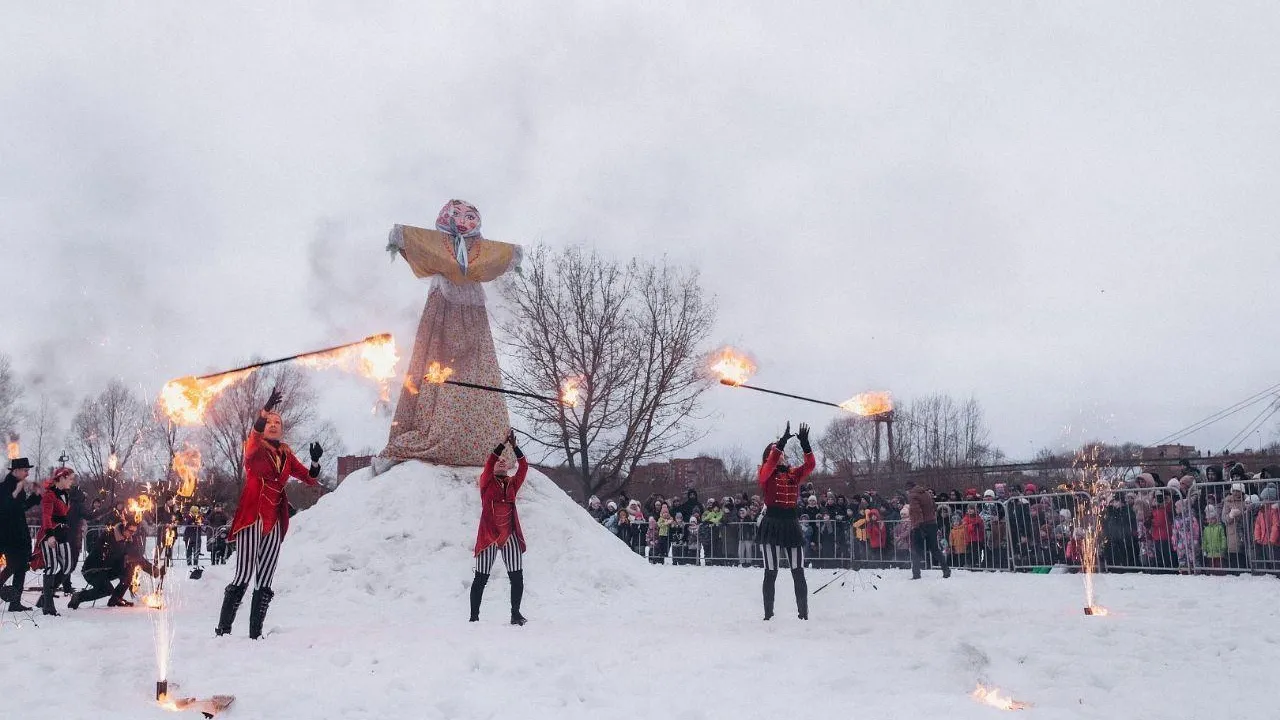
[191, 535]
[691, 505]
[1266, 525]
[712, 538]
[924, 529]
[113, 560]
[957, 541]
[596, 509]
[902, 535]
[1162, 531]
[746, 529]
[1234, 519]
[1213, 541]
[1186, 535]
[1119, 532]
[665, 520]
[975, 536]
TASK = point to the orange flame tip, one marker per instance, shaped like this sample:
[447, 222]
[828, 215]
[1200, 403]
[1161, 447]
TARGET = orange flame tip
[733, 367]
[437, 373]
[993, 698]
[868, 404]
[187, 463]
[570, 390]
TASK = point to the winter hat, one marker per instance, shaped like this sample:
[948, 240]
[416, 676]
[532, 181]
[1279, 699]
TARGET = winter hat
[1030, 488]
[1254, 500]
[1270, 493]
[613, 506]
[1065, 514]
[906, 511]
[1210, 512]
[988, 493]
[1173, 484]
[1237, 487]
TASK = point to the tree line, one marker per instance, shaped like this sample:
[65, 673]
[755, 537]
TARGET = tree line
[119, 441]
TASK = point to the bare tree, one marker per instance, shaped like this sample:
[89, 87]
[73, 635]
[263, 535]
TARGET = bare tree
[632, 337]
[10, 399]
[935, 431]
[232, 414]
[114, 421]
[847, 444]
[44, 434]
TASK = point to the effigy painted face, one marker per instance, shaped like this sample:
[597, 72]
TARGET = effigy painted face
[458, 216]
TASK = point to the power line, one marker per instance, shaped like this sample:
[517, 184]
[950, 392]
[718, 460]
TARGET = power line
[1219, 415]
[1254, 424]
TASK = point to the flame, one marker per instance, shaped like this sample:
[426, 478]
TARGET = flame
[869, 403]
[153, 600]
[15, 450]
[186, 400]
[570, 389]
[170, 534]
[437, 373]
[113, 462]
[139, 506]
[733, 367]
[133, 581]
[374, 358]
[186, 463]
[993, 698]
[1096, 610]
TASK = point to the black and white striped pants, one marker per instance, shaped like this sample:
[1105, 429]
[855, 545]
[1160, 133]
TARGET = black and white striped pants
[57, 559]
[771, 553]
[257, 555]
[512, 557]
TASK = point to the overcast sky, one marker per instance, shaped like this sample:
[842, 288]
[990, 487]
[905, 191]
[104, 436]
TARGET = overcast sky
[1067, 210]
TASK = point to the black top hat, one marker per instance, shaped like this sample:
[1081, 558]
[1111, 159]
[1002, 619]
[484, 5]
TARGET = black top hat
[20, 464]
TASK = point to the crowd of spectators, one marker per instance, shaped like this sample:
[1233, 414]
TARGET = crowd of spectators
[1197, 521]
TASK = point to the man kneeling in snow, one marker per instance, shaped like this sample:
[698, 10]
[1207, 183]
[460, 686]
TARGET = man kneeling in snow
[113, 557]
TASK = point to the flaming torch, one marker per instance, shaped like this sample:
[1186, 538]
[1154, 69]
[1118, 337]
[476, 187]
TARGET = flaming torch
[735, 368]
[438, 374]
[185, 400]
[14, 448]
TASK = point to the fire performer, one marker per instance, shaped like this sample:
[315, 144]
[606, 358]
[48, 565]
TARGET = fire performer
[54, 540]
[499, 531]
[434, 423]
[262, 519]
[16, 497]
[113, 557]
[779, 533]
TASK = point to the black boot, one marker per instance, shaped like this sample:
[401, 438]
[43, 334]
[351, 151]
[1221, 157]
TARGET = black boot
[770, 579]
[65, 585]
[76, 599]
[946, 568]
[802, 592]
[231, 598]
[258, 611]
[46, 598]
[517, 592]
[477, 593]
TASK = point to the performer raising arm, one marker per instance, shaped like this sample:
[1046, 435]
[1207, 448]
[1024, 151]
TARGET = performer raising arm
[262, 519]
[500, 527]
[780, 531]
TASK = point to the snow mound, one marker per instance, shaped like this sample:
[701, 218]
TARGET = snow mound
[407, 536]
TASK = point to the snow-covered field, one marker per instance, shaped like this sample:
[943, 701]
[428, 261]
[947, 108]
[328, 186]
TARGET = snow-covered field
[370, 622]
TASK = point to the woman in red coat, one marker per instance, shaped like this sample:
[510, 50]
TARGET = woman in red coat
[262, 518]
[499, 531]
[54, 539]
[779, 533]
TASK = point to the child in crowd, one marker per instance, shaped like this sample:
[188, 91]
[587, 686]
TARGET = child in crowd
[959, 541]
[1213, 541]
[1186, 536]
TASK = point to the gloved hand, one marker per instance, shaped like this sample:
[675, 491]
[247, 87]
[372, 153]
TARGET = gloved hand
[274, 400]
[316, 452]
[803, 437]
[786, 436]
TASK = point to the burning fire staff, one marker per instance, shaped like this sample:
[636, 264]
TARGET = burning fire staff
[499, 531]
[779, 533]
[16, 497]
[54, 540]
[262, 519]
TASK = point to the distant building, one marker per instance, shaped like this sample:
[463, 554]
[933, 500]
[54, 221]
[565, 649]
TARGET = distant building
[1169, 452]
[348, 464]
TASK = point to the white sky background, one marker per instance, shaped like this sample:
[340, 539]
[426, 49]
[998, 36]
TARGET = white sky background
[1067, 210]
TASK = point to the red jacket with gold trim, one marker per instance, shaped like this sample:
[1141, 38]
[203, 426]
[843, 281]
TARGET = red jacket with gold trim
[498, 516]
[267, 468]
[782, 489]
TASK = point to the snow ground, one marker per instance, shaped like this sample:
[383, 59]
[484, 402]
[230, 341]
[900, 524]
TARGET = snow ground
[370, 622]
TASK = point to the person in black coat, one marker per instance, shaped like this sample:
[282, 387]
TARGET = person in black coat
[77, 522]
[16, 497]
[113, 559]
